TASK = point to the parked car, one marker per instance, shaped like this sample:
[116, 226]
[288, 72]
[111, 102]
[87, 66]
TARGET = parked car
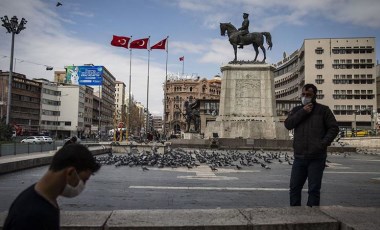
[32, 139]
[46, 139]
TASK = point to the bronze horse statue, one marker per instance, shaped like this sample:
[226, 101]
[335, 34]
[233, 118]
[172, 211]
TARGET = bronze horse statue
[255, 38]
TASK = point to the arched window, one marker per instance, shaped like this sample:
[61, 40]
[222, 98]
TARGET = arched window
[191, 89]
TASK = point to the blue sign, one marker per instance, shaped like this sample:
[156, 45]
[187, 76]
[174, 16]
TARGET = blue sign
[84, 75]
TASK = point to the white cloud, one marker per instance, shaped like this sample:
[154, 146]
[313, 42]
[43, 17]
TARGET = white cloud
[45, 41]
[363, 13]
[186, 47]
[221, 52]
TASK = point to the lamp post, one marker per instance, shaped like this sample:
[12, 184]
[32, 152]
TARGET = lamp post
[12, 27]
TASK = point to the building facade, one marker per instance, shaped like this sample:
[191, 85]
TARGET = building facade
[25, 102]
[101, 113]
[120, 106]
[178, 91]
[343, 69]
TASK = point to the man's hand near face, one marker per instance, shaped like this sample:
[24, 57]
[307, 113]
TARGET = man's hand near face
[308, 107]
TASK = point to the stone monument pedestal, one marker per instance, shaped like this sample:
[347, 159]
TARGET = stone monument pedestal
[247, 104]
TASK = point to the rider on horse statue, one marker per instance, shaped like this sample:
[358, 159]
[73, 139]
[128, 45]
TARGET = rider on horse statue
[243, 30]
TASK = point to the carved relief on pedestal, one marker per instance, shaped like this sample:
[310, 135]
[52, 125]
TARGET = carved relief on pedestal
[246, 91]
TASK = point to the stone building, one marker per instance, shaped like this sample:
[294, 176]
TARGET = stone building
[25, 102]
[177, 91]
[343, 69]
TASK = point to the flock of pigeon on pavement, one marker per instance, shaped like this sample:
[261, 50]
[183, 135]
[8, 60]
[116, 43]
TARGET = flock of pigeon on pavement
[190, 158]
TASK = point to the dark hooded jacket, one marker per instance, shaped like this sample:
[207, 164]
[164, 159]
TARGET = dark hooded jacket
[313, 131]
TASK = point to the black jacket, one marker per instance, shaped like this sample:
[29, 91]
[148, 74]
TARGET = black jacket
[313, 131]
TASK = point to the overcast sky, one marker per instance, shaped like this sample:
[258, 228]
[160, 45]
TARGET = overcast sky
[79, 32]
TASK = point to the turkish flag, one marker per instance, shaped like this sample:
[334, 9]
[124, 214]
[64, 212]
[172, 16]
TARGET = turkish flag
[182, 58]
[160, 45]
[139, 44]
[120, 41]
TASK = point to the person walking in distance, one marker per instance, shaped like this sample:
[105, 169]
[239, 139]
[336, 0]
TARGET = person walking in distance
[36, 208]
[315, 127]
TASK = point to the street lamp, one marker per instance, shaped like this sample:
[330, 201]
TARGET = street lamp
[13, 27]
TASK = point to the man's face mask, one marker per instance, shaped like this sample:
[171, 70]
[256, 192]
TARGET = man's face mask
[71, 191]
[307, 97]
[306, 100]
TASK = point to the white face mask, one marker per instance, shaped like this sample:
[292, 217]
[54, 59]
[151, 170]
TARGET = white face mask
[305, 100]
[71, 191]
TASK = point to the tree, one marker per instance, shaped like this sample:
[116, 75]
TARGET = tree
[5, 131]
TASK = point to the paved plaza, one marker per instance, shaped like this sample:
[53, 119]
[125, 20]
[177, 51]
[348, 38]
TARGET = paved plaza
[350, 180]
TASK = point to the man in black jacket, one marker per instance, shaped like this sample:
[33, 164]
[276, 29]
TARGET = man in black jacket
[315, 127]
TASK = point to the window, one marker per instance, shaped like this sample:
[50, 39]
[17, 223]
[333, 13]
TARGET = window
[319, 50]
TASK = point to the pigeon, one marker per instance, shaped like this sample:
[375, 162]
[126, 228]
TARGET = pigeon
[58, 4]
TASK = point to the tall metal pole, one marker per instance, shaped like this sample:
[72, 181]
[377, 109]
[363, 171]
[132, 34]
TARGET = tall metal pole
[99, 129]
[129, 94]
[12, 27]
[10, 80]
[147, 96]
[165, 85]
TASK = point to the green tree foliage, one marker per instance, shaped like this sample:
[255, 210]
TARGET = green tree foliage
[5, 131]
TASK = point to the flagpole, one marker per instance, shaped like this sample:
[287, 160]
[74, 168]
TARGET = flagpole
[128, 132]
[147, 92]
[166, 81]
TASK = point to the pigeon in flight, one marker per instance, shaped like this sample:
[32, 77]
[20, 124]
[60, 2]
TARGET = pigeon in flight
[59, 4]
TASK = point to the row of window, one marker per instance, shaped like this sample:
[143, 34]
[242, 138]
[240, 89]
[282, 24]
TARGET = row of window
[345, 81]
[356, 97]
[363, 109]
[352, 66]
[349, 61]
[16, 97]
[53, 123]
[363, 92]
[51, 92]
[284, 94]
[286, 80]
[349, 76]
[30, 88]
[350, 50]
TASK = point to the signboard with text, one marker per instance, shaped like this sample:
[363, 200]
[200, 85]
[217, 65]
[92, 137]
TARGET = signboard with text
[84, 75]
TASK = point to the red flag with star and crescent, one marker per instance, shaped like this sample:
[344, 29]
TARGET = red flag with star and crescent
[120, 41]
[161, 45]
[139, 44]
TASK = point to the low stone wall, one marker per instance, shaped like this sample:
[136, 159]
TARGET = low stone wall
[20, 162]
[362, 142]
[289, 218]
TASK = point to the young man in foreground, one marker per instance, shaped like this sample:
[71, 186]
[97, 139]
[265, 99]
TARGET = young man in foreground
[36, 208]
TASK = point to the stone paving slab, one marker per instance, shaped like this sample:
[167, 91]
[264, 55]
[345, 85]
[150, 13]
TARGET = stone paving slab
[209, 219]
[86, 220]
[358, 218]
[289, 218]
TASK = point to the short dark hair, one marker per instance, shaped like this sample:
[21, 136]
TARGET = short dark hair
[74, 155]
[311, 86]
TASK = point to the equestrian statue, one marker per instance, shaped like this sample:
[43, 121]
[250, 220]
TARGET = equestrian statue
[242, 37]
